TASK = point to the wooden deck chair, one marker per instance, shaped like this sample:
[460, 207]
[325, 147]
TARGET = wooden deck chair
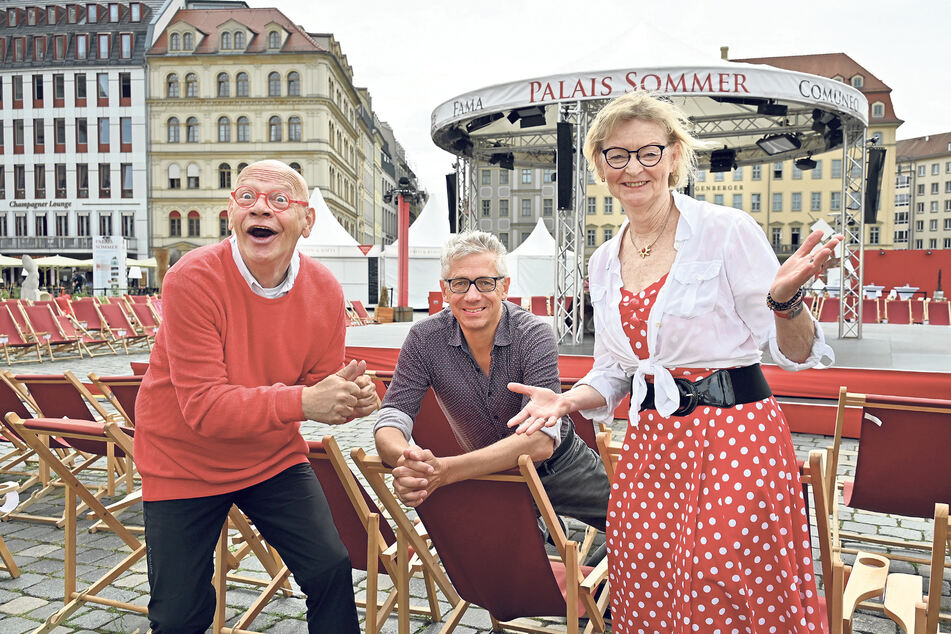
[15, 344]
[919, 311]
[928, 608]
[609, 451]
[122, 328]
[539, 305]
[939, 313]
[16, 461]
[49, 332]
[147, 318]
[7, 562]
[139, 367]
[156, 304]
[89, 318]
[361, 312]
[137, 299]
[902, 465]
[373, 545]
[870, 311]
[91, 343]
[810, 302]
[898, 311]
[503, 566]
[845, 587]
[515, 300]
[435, 302]
[828, 309]
[63, 305]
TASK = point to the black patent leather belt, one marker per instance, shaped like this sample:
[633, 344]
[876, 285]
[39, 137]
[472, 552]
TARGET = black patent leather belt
[723, 388]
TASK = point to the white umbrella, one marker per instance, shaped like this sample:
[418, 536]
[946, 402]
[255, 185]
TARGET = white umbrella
[6, 260]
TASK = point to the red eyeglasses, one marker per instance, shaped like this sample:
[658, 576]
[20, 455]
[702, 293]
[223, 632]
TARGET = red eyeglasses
[276, 199]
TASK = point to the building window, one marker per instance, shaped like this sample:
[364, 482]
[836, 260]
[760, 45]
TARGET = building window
[191, 130]
[797, 201]
[103, 47]
[718, 177]
[874, 235]
[817, 170]
[20, 225]
[191, 174]
[128, 226]
[59, 175]
[934, 188]
[778, 170]
[223, 230]
[921, 189]
[102, 88]
[135, 13]
[815, 201]
[503, 177]
[244, 129]
[609, 204]
[125, 177]
[486, 208]
[920, 208]
[125, 134]
[777, 236]
[224, 176]
[718, 198]
[18, 136]
[836, 168]
[858, 81]
[239, 39]
[526, 207]
[293, 84]
[526, 177]
[173, 136]
[777, 202]
[125, 89]
[486, 177]
[547, 207]
[701, 177]
[737, 173]
[39, 181]
[225, 41]
[274, 84]
[755, 203]
[738, 201]
[932, 225]
[103, 126]
[504, 239]
[39, 135]
[174, 176]
[592, 207]
[794, 236]
[609, 233]
[293, 129]
[174, 224]
[191, 85]
[62, 225]
[105, 224]
[188, 41]
[82, 180]
[224, 130]
[835, 201]
[105, 182]
[125, 45]
[174, 42]
[171, 86]
[503, 208]
[19, 181]
[194, 224]
[757, 172]
[273, 40]
[241, 85]
[224, 85]
[113, 12]
[591, 238]
[274, 129]
[934, 206]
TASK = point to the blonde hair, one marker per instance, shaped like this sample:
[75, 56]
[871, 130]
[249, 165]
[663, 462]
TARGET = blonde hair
[646, 107]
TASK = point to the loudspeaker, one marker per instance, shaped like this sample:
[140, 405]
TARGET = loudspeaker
[564, 159]
[451, 197]
[873, 182]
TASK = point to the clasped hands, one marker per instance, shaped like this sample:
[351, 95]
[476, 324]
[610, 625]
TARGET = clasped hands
[339, 397]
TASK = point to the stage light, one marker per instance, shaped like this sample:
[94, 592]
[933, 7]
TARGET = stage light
[528, 117]
[504, 160]
[722, 160]
[480, 122]
[772, 109]
[806, 163]
[778, 143]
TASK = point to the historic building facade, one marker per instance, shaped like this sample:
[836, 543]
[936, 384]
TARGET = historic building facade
[923, 192]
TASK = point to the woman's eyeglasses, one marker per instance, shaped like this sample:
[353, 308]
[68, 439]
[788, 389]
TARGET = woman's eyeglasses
[648, 155]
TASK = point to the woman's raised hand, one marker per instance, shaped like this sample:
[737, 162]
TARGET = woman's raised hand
[544, 408]
[802, 266]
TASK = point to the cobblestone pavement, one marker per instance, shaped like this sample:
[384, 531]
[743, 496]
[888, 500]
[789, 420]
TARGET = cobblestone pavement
[38, 549]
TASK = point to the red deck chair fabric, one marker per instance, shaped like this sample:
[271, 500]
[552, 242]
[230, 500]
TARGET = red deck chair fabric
[121, 391]
[939, 313]
[829, 309]
[139, 367]
[90, 342]
[540, 306]
[156, 304]
[902, 465]
[435, 302]
[870, 311]
[898, 311]
[918, 311]
[50, 333]
[361, 312]
[64, 305]
[88, 317]
[138, 299]
[810, 303]
[122, 328]
[146, 319]
[14, 452]
[515, 300]
[16, 344]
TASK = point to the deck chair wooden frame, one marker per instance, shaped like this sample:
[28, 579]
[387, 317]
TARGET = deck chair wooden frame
[19, 460]
[7, 562]
[871, 310]
[906, 489]
[580, 589]
[361, 312]
[13, 339]
[146, 319]
[91, 340]
[927, 609]
[898, 311]
[123, 330]
[373, 545]
[47, 330]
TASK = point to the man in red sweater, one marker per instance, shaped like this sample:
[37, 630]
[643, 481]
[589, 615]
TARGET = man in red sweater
[252, 342]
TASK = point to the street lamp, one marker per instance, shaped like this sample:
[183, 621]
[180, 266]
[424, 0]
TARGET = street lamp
[405, 192]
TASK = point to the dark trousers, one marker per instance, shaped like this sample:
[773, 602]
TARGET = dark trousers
[291, 513]
[576, 483]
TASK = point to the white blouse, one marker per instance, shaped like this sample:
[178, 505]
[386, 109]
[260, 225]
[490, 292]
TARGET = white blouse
[710, 313]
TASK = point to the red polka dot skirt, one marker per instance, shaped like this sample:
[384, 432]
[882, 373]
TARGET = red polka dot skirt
[707, 529]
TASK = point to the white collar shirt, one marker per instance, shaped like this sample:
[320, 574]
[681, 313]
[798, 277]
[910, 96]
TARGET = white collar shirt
[710, 313]
[281, 289]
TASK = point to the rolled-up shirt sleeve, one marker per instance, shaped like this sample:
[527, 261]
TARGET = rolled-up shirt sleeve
[609, 379]
[392, 417]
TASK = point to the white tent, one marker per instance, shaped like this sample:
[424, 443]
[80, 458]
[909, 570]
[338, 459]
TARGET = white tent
[532, 264]
[332, 246]
[427, 235]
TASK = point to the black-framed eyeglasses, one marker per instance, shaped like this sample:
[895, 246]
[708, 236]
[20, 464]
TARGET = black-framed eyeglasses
[647, 155]
[276, 199]
[482, 284]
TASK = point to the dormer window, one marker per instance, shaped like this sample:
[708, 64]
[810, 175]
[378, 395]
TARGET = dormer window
[31, 16]
[12, 17]
[113, 12]
[188, 41]
[858, 81]
[174, 42]
[92, 13]
[839, 78]
[225, 41]
[135, 12]
[51, 15]
[878, 110]
[273, 40]
[239, 40]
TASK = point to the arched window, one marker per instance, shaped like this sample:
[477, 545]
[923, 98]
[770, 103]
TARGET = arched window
[226, 40]
[171, 85]
[274, 39]
[173, 136]
[296, 168]
[174, 176]
[174, 224]
[188, 41]
[191, 173]
[274, 129]
[174, 42]
[223, 230]
[274, 85]
[241, 81]
[224, 130]
[224, 176]
[191, 130]
[241, 167]
[244, 130]
[239, 40]
[293, 129]
[224, 85]
[878, 110]
[293, 84]
[194, 223]
[858, 81]
[191, 85]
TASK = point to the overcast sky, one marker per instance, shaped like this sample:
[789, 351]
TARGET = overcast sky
[415, 54]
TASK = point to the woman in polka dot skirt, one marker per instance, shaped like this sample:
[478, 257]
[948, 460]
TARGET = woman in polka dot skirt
[707, 529]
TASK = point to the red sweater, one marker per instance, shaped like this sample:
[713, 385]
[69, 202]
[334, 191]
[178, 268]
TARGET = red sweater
[220, 406]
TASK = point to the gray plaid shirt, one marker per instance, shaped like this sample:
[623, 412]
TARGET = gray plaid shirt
[435, 354]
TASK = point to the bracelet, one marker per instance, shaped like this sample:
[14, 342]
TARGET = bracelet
[781, 307]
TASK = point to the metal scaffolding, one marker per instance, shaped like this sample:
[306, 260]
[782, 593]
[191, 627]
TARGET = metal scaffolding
[851, 226]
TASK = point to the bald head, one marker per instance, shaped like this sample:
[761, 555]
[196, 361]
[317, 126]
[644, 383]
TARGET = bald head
[281, 174]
